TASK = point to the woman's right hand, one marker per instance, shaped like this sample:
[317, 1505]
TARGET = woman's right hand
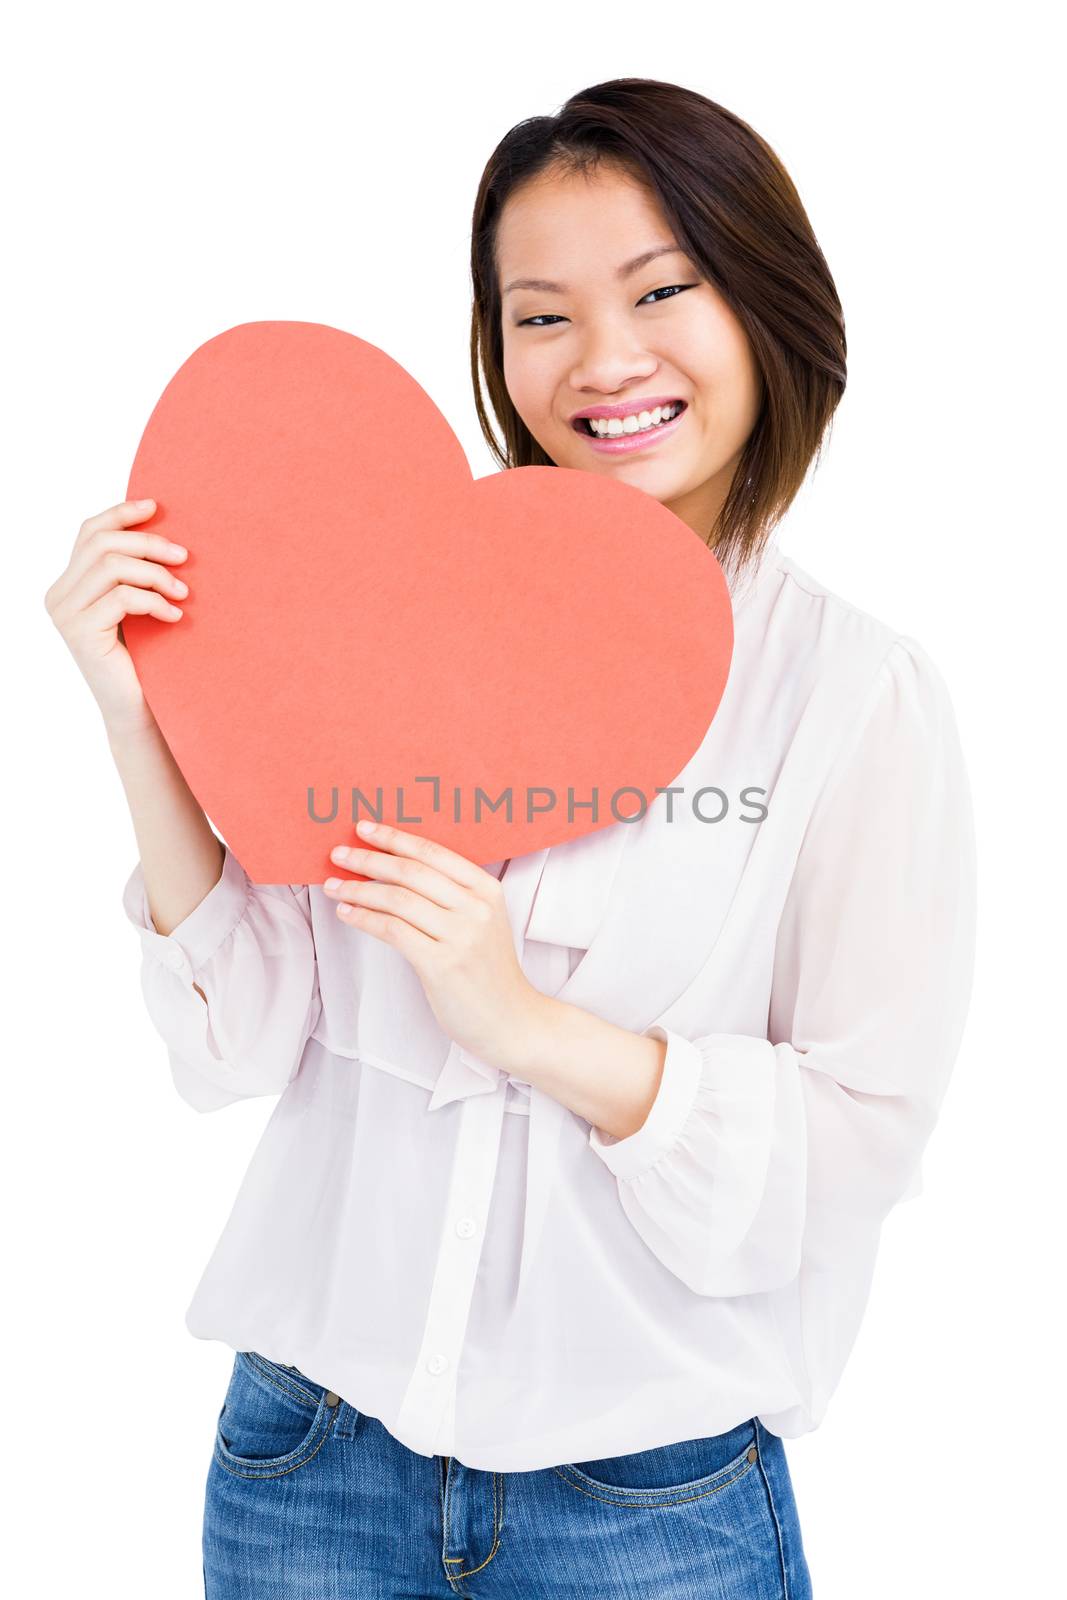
[115, 570]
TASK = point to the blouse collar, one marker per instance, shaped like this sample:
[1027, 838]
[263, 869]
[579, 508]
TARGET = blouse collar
[743, 586]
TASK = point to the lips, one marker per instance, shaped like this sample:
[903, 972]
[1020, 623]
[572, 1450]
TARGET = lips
[636, 439]
[630, 408]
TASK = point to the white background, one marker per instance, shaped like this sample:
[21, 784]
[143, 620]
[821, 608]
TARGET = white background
[173, 170]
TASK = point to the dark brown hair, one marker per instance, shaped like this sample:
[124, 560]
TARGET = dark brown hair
[736, 212]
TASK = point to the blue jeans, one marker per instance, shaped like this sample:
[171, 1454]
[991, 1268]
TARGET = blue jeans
[308, 1497]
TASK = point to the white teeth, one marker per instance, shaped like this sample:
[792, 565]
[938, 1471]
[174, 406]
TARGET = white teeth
[637, 422]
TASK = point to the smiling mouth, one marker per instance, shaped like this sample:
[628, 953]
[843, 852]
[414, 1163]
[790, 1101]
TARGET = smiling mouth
[630, 425]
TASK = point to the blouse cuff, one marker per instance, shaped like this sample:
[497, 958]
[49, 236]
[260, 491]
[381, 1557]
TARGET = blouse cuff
[198, 936]
[670, 1110]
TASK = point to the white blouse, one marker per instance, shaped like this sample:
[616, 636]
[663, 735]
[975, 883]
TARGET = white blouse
[461, 1256]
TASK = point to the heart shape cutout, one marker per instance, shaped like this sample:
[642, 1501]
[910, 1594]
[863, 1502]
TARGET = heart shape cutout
[363, 615]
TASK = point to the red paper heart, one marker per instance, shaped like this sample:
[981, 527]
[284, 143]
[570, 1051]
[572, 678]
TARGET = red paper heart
[363, 614]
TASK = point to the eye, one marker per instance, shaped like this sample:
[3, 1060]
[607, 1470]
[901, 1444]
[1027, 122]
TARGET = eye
[672, 289]
[544, 319]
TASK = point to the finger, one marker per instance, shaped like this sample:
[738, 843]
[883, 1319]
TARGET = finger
[101, 543]
[410, 942]
[395, 900]
[124, 515]
[385, 867]
[115, 567]
[124, 601]
[431, 854]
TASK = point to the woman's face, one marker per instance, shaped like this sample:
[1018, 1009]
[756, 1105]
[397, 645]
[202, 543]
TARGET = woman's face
[598, 334]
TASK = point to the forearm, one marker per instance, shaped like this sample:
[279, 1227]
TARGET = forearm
[605, 1074]
[181, 856]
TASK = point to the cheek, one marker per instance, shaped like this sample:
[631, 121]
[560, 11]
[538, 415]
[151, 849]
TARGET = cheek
[714, 354]
[700, 348]
[531, 373]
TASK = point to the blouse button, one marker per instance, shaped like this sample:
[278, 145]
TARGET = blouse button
[465, 1227]
[174, 956]
[437, 1364]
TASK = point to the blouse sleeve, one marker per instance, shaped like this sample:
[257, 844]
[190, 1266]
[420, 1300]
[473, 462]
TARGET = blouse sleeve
[249, 948]
[758, 1155]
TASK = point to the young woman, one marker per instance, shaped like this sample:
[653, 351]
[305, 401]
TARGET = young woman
[566, 1215]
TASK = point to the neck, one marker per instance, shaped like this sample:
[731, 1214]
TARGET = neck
[701, 507]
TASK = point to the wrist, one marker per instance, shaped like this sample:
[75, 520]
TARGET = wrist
[528, 1038]
[127, 734]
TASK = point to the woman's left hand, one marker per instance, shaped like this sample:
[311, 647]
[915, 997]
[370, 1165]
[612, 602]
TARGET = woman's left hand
[449, 918]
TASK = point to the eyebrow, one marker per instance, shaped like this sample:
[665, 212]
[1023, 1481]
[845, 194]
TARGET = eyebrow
[546, 286]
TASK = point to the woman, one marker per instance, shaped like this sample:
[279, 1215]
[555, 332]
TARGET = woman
[557, 1351]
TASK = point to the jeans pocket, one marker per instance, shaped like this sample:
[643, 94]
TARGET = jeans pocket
[671, 1473]
[273, 1418]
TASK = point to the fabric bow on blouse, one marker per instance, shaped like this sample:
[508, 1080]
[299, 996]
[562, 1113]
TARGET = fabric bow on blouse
[559, 896]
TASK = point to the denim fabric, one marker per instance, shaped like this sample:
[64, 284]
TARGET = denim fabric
[309, 1499]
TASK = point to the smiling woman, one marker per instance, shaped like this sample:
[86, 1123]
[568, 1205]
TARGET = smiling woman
[646, 247]
[569, 1209]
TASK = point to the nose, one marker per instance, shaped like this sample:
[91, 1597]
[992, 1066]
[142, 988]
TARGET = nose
[610, 360]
